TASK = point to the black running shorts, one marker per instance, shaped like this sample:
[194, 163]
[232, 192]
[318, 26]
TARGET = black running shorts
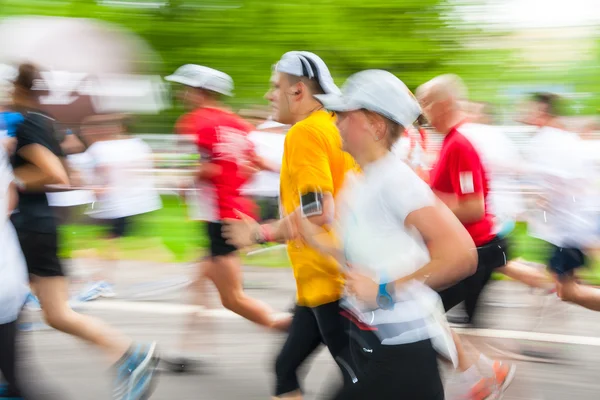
[565, 259]
[41, 253]
[218, 244]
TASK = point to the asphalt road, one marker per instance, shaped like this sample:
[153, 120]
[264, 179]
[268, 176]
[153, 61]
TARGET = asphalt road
[239, 356]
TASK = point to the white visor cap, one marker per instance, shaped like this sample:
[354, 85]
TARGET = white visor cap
[378, 91]
[309, 65]
[202, 77]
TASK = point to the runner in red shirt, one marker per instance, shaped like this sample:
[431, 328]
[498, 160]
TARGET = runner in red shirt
[461, 182]
[227, 162]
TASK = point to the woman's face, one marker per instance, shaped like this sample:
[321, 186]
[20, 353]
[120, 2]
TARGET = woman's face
[354, 129]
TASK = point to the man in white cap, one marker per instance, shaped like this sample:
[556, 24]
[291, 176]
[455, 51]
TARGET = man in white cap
[312, 173]
[228, 161]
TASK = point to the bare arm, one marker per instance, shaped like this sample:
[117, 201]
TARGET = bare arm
[468, 209]
[318, 238]
[286, 228]
[451, 249]
[45, 169]
[585, 296]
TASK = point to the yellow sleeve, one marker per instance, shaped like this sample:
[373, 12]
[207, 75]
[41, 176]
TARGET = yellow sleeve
[309, 161]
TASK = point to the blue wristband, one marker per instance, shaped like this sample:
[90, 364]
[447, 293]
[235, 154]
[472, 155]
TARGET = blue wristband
[385, 300]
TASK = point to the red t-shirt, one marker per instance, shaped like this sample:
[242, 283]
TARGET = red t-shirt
[459, 171]
[223, 137]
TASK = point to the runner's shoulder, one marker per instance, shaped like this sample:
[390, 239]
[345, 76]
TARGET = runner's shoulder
[314, 129]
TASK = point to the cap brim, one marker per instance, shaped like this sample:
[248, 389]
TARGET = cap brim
[179, 79]
[334, 102]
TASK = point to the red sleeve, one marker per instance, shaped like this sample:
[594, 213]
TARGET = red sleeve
[185, 125]
[466, 171]
[206, 137]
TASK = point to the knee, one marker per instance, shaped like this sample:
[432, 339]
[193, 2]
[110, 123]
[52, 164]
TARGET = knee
[57, 318]
[231, 300]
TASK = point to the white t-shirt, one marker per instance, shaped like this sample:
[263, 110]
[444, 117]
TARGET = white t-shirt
[128, 170]
[270, 147]
[561, 171]
[372, 209]
[501, 160]
[82, 163]
[13, 270]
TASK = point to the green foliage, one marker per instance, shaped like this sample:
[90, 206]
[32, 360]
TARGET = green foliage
[415, 39]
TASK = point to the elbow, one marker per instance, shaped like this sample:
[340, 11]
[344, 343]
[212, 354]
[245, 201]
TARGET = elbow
[470, 259]
[58, 177]
[61, 179]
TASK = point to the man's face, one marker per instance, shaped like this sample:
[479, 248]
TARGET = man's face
[533, 113]
[435, 110]
[279, 100]
[190, 97]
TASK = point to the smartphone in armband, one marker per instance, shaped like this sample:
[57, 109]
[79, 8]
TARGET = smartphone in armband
[311, 204]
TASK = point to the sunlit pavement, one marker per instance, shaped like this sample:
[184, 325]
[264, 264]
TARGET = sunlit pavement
[241, 355]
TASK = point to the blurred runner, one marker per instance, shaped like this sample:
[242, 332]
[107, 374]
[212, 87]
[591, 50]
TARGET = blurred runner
[227, 162]
[312, 173]
[396, 239]
[557, 161]
[13, 284]
[501, 159]
[38, 164]
[462, 183]
[124, 188]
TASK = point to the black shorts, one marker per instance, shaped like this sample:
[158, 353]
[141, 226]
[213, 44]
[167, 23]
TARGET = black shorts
[392, 371]
[218, 244]
[565, 259]
[490, 256]
[41, 253]
[117, 227]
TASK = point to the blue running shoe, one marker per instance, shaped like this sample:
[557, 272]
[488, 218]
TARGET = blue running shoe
[108, 290]
[91, 292]
[135, 373]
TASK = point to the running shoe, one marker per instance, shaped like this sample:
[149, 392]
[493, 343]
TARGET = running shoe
[32, 303]
[135, 373]
[6, 393]
[107, 290]
[493, 388]
[96, 290]
[504, 374]
[484, 389]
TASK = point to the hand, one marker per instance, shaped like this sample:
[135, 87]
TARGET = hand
[568, 289]
[240, 232]
[363, 288]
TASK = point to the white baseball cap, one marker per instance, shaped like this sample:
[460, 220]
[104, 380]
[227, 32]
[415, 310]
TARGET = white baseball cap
[309, 65]
[378, 91]
[202, 77]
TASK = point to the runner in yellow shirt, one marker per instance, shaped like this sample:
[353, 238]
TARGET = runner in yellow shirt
[312, 173]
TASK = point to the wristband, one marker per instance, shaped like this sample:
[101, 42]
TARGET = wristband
[267, 233]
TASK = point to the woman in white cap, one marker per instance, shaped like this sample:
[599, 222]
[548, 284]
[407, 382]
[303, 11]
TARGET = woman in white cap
[399, 244]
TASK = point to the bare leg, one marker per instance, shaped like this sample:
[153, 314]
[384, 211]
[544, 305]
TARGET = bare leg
[226, 274]
[466, 359]
[199, 297]
[528, 275]
[53, 296]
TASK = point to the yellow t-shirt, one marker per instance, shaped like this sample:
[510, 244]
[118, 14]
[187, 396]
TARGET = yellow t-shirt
[313, 159]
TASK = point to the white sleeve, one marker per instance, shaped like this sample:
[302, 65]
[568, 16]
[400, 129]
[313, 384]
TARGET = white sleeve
[406, 192]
